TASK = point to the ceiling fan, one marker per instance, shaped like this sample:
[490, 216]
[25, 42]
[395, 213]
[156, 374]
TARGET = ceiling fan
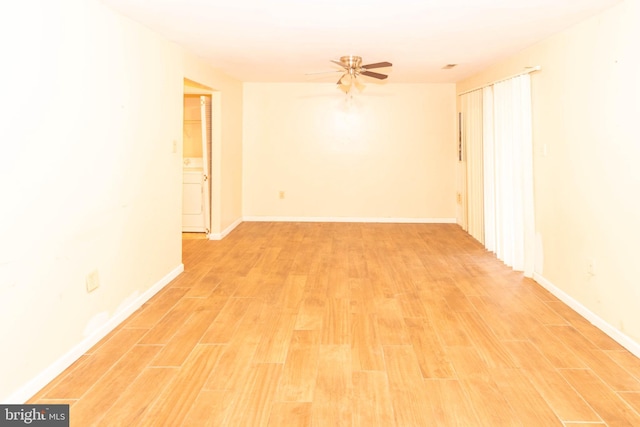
[353, 68]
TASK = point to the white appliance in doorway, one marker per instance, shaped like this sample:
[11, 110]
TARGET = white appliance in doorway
[196, 216]
[193, 192]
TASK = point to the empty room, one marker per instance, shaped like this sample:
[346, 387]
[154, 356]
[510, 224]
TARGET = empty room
[320, 214]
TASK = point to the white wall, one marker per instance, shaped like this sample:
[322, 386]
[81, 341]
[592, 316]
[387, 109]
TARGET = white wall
[90, 177]
[388, 154]
[586, 105]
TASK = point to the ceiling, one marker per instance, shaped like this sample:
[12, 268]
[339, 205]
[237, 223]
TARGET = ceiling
[283, 40]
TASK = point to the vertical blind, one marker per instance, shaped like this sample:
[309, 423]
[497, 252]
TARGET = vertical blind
[471, 104]
[498, 143]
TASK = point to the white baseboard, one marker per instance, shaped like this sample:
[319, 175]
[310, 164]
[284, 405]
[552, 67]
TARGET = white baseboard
[349, 219]
[596, 320]
[25, 392]
[226, 231]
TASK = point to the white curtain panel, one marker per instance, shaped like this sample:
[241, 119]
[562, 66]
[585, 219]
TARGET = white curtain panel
[471, 106]
[508, 188]
[488, 156]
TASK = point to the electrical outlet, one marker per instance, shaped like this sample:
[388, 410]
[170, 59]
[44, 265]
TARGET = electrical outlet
[459, 198]
[92, 281]
[281, 194]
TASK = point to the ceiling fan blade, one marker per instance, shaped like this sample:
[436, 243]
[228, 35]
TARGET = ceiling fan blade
[323, 72]
[339, 63]
[377, 65]
[374, 75]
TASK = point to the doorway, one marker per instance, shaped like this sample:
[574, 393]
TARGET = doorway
[196, 159]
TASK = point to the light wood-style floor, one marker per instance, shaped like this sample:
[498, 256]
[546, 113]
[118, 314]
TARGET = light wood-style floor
[330, 324]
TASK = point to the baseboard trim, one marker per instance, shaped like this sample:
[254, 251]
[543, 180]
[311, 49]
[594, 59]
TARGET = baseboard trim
[596, 320]
[28, 390]
[226, 231]
[349, 219]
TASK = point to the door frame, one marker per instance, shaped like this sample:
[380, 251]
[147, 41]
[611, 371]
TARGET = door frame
[191, 87]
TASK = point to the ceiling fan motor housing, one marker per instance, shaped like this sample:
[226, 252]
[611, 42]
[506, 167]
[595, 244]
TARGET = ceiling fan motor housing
[352, 63]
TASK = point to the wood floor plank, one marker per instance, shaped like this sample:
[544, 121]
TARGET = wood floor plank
[155, 309]
[331, 401]
[276, 337]
[290, 414]
[172, 406]
[490, 404]
[412, 306]
[431, 354]
[293, 293]
[563, 399]
[613, 410]
[611, 373]
[366, 348]
[254, 403]
[632, 398]
[300, 370]
[336, 327]
[363, 295]
[135, 402]
[586, 328]
[312, 310]
[229, 283]
[411, 404]
[467, 362]
[169, 325]
[268, 287]
[95, 403]
[456, 300]
[338, 281]
[505, 324]
[448, 325]
[233, 368]
[451, 405]
[185, 339]
[64, 380]
[210, 409]
[580, 424]
[357, 263]
[555, 349]
[485, 341]
[78, 378]
[626, 360]
[390, 323]
[224, 326]
[205, 285]
[529, 407]
[527, 301]
[372, 405]
[250, 329]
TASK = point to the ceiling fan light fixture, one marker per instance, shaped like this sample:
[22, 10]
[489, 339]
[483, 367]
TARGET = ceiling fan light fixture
[353, 68]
